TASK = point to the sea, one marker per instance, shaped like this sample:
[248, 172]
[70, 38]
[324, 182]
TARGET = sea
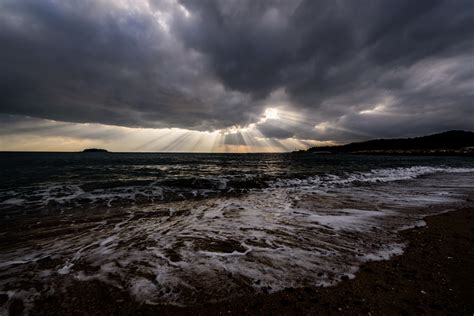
[186, 229]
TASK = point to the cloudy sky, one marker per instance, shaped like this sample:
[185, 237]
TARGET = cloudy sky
[247, 75]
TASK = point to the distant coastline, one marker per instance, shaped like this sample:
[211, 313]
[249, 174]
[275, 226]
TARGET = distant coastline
[457, 143]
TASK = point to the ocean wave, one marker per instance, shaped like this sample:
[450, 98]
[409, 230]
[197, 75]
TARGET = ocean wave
[114, 192]
[373, 176]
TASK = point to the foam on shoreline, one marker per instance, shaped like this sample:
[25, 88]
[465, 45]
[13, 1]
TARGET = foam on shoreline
[265, 241]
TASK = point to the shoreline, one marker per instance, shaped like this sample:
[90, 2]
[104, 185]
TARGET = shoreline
[434, 275]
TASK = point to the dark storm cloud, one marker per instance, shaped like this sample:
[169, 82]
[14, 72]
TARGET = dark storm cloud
[272, 129]
[89, 61]
[346, 66]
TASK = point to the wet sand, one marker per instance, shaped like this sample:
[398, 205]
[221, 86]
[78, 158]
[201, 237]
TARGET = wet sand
[435, 275]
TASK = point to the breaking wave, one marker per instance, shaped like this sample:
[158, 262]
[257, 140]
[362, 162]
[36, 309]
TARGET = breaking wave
[119, 193]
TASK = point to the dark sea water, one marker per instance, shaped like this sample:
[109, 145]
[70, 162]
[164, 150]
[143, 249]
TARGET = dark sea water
[65, 180]
[189, 228]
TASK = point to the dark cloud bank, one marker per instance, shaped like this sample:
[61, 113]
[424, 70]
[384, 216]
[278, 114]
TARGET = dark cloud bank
[353, 69]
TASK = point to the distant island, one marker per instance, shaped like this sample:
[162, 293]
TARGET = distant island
[447, 143]
[95, 150]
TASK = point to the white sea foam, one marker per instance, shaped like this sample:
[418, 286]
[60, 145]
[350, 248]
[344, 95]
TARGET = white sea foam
[14, 201]
[373, 176]
[384, 253]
